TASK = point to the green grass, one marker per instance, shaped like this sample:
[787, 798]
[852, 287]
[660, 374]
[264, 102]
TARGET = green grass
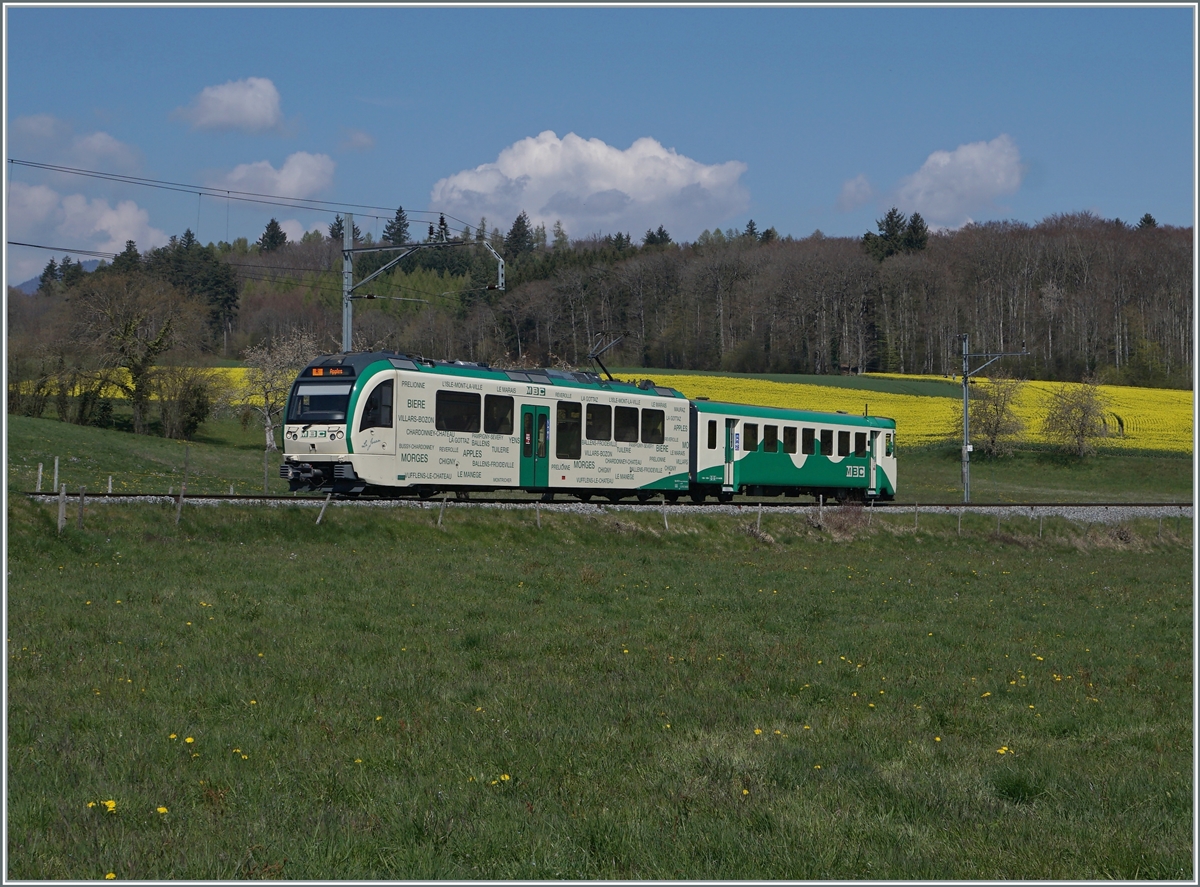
[359, 691]
[224, 453]
[917, 387]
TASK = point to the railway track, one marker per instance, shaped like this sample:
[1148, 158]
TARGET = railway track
[1090, 512]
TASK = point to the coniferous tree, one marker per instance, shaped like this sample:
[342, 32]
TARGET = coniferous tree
[561, 241]
[50, 277]
[519, 238]
[129, 261]
[916, 235]
[656, 238]
[751, 231]
[272, 238]
[337, 231]
[396, 231]
[1147, 221]
[70, 273]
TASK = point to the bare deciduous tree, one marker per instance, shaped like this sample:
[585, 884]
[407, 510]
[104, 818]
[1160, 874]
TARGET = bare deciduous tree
[271, 367]
[995, 427]
[1076, 417]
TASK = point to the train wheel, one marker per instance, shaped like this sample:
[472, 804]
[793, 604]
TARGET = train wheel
[644, 496]
[584, 497]
[614, 497]
[426, 494]
[724, 498]
[697, 496]
[671, 497]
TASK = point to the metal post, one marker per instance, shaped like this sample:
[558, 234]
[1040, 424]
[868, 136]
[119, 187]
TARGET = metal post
[62, 507]
[110, 483]
[79, 520]
[56, 472]
[39, 480]
[347, 281]
[328, 496]
[966, 445]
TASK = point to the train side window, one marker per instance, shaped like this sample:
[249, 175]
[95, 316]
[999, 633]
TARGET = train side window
[569, 430]
[712, 434]
[543, 433]
[889, 450]
[826, 441]
[654, 424]
[808, 445]
[599, 421]
[527, 435]
[860, 443]
[843, 443]
[770, 438]
[625, 424]
[378, 411]
[457, 411]
[497, 414]
[789, 440]
[750, 436]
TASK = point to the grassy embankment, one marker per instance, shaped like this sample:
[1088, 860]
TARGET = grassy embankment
[378, 697]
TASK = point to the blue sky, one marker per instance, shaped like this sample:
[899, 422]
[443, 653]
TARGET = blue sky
[605, 119]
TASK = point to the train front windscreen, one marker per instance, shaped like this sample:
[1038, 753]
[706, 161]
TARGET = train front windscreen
[314, 402]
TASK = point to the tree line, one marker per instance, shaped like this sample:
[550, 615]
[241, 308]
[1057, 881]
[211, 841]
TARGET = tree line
[1088, 297]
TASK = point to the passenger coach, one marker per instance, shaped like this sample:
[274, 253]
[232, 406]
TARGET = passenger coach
[390, 424]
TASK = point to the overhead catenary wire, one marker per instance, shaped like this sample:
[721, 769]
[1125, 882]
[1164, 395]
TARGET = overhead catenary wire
[230, 194]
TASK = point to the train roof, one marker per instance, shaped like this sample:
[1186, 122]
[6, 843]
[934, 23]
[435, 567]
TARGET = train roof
[703, 405]
[358, 361]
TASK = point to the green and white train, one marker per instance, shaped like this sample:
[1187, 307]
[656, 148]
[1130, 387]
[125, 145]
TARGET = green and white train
[386, 424]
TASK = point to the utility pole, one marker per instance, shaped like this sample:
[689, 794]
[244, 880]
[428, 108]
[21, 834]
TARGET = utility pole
[967, 372]
[349, 286]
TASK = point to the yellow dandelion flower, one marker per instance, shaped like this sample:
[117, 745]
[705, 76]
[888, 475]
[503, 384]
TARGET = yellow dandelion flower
[505, 777]
[985, 695]
[110, 876]
[757, 731]
[745, 791]
[91, 804]
[245, 757]
[937, 739]
[161, 809]
[816, 766]
[172, 736]
[111, 806]
[189, 740]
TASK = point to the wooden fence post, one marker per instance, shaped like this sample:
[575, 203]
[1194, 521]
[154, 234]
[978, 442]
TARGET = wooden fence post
[39, 480]
[56, 472]
[79, 520]
[62, 507]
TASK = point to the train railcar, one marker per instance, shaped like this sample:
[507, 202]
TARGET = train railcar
[767, 451]
[387, 424]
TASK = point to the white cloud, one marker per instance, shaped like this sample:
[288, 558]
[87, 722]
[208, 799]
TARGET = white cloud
[591, 186]
[250, 105]
[357, 140]
[30, 209]
[54, 140]
[295, 229]
[855, 192]
[951, 185]
[301, 175]
[89, 220]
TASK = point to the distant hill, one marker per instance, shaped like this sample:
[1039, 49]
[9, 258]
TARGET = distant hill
[30, 286]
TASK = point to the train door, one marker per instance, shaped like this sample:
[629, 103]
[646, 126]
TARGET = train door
[732, 443]
[872, 451]
[535, 446]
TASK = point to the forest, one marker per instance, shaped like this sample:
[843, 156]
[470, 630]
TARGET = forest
[1086, 297]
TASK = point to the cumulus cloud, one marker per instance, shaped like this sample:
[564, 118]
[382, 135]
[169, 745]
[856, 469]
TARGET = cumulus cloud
[952, 185]
[250, 105]
[855, 192]
[357, 140]
[295, 229]
[301, 175]
[39, 214]
[590, 186]
[96, 221]
[54, 140]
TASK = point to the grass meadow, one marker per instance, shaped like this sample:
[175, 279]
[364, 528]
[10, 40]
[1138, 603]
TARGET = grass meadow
[251, 695]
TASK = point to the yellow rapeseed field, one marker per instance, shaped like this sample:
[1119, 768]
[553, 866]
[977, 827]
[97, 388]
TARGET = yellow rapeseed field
[1153, 418]
[1150, 418]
